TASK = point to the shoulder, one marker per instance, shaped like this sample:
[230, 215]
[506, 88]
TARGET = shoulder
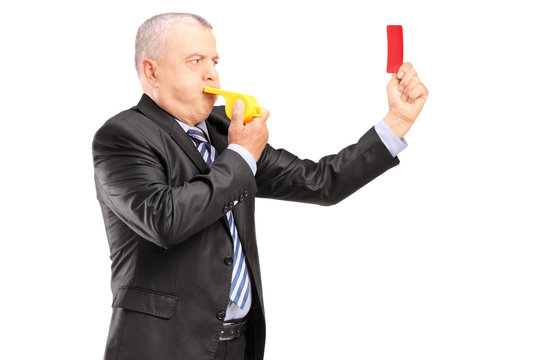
[127, 129]
[125, 122]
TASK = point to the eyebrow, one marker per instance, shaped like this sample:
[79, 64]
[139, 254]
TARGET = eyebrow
[201, 55]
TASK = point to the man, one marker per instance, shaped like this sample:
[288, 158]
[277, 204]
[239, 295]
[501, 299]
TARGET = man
[176, 181]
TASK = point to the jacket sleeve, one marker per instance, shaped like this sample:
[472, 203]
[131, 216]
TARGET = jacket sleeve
[282, 175]
[131, 179]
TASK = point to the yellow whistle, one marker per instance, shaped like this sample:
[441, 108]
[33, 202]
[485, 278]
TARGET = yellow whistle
[251, 105]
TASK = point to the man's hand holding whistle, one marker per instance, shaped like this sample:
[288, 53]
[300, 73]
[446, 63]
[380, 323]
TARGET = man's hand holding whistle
[253, 136]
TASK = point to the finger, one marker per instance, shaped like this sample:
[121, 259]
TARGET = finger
[259, 121]
[412, 84]
[409, 75]
[418, 92]
[265, 115]
[403, 69]
[237, 118]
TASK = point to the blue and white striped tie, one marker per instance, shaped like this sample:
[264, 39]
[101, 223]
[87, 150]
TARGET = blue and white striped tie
[240, 284]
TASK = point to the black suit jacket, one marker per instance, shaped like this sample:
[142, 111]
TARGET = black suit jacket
[164, 212]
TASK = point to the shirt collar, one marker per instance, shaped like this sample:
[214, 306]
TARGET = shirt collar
[201, 126]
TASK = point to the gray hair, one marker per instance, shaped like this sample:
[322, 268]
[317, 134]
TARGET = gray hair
[151, 40]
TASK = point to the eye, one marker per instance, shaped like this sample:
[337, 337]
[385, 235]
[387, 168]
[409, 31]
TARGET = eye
[195, 61]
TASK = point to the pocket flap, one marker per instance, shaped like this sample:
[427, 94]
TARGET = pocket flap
[145, 301]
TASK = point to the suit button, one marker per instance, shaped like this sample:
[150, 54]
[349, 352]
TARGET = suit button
[245, 193]
[226, 209]
[241, 197]
[231, 204]
[221, 315]
[228, 261]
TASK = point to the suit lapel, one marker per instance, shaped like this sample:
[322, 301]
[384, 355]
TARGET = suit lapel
[183, 139]
[218, 137]
[167, 122]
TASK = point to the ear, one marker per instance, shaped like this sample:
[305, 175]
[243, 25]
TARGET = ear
[149, 72]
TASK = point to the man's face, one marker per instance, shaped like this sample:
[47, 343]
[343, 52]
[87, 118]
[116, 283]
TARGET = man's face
[187, 66]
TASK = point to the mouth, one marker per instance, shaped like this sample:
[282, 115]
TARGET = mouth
[211, 98]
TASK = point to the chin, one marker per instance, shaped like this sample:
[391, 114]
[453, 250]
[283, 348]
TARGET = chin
[205, 112]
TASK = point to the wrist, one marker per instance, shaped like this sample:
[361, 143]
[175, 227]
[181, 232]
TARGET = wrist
[398, 126]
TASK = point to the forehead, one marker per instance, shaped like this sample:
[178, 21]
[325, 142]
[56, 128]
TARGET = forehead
[187, 38]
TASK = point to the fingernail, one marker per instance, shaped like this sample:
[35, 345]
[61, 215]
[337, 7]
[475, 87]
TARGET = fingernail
[403, 97]
[400, 88]
[400, 75]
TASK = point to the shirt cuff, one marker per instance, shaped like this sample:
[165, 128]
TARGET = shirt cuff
[244, 154]
[394, 144]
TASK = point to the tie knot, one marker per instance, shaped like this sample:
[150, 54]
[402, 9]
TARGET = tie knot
[197, 135]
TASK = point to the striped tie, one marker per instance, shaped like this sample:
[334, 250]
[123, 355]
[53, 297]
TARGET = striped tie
[240, 282]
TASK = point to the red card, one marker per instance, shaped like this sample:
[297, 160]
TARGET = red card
[395, 48]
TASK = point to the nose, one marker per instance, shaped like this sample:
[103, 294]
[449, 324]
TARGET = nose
[211, 73]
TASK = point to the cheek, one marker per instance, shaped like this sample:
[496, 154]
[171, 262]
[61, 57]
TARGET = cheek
[187, 90]
[180, 84]
[185, 87]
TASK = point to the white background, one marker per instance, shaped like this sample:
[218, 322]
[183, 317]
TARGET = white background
[436, 259]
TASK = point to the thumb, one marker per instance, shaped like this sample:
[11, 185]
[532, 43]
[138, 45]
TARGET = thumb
[393, 80]
[237, 118]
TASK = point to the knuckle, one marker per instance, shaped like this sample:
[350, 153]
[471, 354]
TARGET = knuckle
[412, 84]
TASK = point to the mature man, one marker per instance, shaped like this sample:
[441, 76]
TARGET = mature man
[176, 181]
